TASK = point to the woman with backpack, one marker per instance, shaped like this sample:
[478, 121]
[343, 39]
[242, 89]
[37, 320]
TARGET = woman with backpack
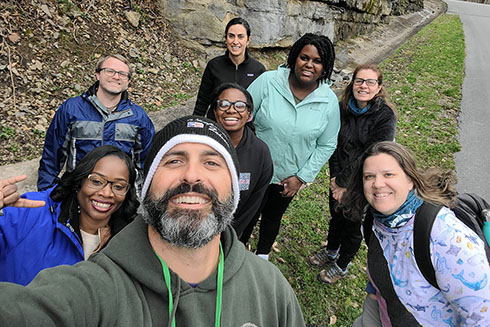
[393, 189]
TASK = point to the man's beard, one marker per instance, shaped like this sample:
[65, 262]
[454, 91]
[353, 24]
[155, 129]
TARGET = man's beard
[188, 228]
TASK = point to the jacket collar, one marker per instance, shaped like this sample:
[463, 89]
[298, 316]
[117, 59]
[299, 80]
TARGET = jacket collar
[281, 83]
[247, 57]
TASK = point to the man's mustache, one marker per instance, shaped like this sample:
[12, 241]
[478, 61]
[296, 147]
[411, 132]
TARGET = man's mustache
[186, 188]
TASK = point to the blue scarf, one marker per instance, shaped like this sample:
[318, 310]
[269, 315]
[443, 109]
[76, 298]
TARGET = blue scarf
[402, 215]
[357, 111]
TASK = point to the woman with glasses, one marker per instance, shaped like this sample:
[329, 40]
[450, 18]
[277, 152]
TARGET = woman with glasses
[82, 212]
[297, 116]
[236, 65]
[366, 118]
[233, 107]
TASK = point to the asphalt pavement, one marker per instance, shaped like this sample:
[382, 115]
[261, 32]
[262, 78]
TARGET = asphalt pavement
[472, 162]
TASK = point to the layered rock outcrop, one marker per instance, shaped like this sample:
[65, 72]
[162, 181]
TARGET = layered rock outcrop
[278, 23]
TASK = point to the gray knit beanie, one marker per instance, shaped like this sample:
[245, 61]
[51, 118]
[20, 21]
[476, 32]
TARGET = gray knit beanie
[191, 129]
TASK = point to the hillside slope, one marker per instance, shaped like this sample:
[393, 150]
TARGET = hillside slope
[48, 53]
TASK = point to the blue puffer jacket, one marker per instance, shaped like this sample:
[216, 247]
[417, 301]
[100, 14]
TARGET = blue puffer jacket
[32, 239]
[82, 123]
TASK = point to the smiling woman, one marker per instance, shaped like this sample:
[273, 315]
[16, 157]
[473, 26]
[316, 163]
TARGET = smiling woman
[388, 185]
[366, 117]
[297, 116]
[236, 66]
[233, 107]
[87, 207]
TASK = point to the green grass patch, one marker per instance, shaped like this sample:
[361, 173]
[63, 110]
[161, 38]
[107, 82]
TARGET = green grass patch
[424, 78]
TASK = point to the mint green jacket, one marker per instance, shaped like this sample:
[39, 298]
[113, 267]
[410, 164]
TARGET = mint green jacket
[301, 137]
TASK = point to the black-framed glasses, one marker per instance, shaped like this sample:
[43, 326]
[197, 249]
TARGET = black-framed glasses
[369, 81]
[98, 182]
[239, 105]
[111, 72]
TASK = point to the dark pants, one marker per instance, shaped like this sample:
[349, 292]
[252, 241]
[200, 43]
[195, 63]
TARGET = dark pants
[274, 207]
[343, 233]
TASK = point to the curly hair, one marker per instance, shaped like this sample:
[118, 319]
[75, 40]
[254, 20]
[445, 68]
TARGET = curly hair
[432, 185]
[348, 91]
[325, 50]
[71, 182]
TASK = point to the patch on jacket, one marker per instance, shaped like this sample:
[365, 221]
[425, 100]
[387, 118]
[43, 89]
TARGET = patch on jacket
[244, 181]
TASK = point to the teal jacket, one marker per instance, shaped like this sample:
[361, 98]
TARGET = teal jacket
[301, 137]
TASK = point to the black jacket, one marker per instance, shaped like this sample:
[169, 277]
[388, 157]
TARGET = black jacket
[356, 134]
[221, 70]
[256, 171]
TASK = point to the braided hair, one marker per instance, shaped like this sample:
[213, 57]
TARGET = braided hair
[324, 47]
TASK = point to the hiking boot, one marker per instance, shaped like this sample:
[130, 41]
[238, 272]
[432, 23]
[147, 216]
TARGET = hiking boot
[323, 257]
[332, 274]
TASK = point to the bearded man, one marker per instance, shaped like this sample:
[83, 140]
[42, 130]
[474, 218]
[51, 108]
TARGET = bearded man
[178, 264]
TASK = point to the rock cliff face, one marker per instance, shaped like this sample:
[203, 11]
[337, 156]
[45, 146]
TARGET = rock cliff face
[278, 23]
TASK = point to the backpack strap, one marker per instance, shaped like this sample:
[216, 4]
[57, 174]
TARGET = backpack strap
[422, 226]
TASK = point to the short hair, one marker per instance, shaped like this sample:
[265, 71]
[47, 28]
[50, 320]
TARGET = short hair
[226, 86]
[237, 21]
[348, 91]
[100, 62]
[432, 185]
[71, 182]
[325, 50]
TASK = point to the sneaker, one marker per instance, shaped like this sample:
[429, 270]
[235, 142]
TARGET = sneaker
[264, 256]
[332, 274]
[323, 257]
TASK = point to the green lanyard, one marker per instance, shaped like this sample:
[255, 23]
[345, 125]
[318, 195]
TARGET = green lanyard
[219, 295]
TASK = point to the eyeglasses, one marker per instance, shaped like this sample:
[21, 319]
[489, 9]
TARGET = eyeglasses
[111, 72]
[239, 106]
[97, 182]
[369, 81]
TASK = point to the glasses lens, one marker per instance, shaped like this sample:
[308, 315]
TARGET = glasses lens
[224, 104]
[358, 81]
[240, 106]
[120, 188]
[371, 82]
[96, 182]
[123, 75]
[109, 71]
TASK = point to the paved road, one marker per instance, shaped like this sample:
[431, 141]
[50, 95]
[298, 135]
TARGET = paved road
[473, 162]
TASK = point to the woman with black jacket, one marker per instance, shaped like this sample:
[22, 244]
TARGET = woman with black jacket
[235, 66]
[366, 118]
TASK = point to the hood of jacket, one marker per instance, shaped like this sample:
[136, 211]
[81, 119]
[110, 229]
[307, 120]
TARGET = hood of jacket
[132, 251]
